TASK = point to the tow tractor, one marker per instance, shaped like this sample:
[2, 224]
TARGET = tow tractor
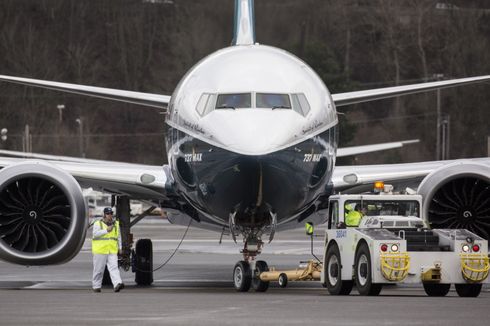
[392, 245]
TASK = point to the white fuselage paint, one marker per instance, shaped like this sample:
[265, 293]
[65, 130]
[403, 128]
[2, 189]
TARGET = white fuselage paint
[246, 69]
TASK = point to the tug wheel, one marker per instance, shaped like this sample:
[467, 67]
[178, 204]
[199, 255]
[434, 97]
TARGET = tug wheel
[335, 285]
[364, 273]
[436, 290]
[468, 290]
[257, 284]
[242, 276]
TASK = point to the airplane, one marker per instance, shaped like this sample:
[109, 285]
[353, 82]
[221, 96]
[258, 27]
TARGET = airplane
[252, 135]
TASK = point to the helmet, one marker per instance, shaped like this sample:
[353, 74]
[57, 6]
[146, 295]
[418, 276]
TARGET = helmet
[108, 210]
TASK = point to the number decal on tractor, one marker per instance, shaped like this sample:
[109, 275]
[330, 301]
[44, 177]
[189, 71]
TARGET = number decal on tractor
[341, 234]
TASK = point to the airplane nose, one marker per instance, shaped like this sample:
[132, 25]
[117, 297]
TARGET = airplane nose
[260, 132]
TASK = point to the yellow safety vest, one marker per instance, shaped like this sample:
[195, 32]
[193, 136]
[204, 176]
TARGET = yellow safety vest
[353, 218]
[106, 244]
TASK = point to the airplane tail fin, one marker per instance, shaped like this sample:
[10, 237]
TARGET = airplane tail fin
[244, 26]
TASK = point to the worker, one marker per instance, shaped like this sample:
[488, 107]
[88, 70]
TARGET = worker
[106, 243]
[353, 217]
[364, 211]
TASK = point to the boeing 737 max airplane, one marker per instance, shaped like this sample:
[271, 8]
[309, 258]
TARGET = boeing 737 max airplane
[252, 144]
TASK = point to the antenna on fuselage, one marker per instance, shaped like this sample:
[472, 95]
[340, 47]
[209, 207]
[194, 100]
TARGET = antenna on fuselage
[244, 25]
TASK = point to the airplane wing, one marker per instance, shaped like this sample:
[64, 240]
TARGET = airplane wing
[145, 182]
[355, 150]
[56, 157]
[350, 178]
[146, 99]
[342, 99]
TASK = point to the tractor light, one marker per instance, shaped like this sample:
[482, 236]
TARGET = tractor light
[379, 186]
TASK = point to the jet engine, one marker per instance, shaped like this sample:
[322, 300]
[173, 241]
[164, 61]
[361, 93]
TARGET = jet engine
[42, 214]
[458, 196]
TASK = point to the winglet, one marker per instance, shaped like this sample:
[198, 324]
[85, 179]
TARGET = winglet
[244, 26]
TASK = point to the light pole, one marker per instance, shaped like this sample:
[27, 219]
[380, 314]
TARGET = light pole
[80, 135]
[445, 135]
[60, 108]
[27, 140]
[439, 119]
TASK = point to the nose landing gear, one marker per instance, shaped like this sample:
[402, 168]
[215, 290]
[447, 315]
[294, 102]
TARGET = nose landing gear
[247, 275]
[247, 272]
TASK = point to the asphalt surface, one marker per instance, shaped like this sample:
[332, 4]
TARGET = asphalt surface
[195, 288]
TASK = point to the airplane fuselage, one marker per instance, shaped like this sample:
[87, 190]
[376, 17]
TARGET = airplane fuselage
[252, 134]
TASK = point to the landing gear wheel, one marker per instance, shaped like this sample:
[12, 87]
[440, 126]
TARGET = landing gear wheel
[144, 262]
[468, 290]
[364, 273]
[242, 276]
[436, 290]
[257, 284]
[283, 280]
[106, 279]
[335, 285]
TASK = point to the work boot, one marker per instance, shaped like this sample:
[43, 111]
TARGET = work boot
[118, 287]
[97, 290]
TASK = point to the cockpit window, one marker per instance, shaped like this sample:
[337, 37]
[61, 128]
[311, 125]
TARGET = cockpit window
[206, 104]
[274, 101]
[209, 102]
[234, 101]
[300, 104]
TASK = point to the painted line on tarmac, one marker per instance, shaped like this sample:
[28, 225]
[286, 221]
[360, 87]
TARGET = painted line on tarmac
[215, 241]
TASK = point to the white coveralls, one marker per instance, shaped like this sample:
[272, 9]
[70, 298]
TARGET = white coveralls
[100, 261]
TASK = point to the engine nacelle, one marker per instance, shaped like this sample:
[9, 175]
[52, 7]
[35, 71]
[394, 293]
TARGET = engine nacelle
[42, 214]
[457, 196]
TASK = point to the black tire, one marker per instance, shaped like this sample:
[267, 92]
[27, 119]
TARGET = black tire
[144, 262]
[468, 290]
[106, 279]
[364, 272]
[283, 280]
[436, 290]
[333, 278]
[257, 284]
[242, 276]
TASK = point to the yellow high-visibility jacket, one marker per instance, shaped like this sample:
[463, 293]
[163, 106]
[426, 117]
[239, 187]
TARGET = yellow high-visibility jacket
[353, 218]
[107, 243]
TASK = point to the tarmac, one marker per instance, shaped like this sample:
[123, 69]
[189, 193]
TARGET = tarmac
[195, 288]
